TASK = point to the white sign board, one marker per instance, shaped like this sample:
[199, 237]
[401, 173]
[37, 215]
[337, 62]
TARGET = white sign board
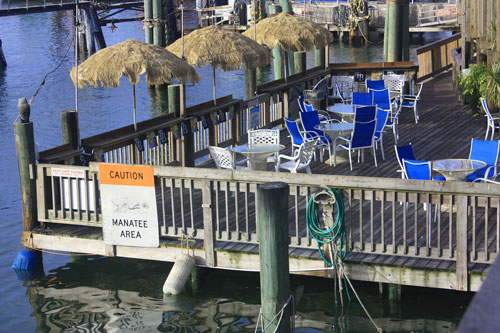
[255, 116]
[128, 202]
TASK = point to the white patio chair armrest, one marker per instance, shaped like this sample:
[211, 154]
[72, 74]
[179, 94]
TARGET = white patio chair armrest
[339, 138]
[310, 135]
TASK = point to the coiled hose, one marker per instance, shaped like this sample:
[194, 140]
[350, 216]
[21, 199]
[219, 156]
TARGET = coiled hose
[323, 235]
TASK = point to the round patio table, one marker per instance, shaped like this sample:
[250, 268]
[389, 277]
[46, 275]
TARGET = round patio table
[257, 154]
[456, 169]
[345, 111]
[335, 130]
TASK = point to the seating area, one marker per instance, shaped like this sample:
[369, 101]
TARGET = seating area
[432, 138]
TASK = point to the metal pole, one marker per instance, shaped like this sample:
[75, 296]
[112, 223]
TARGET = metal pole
[135, 122]
[464, 28]
[182, 30]
[77, 23]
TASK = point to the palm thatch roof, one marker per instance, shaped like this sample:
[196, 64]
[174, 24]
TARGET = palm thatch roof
[133, 58]
[221, 48]
[292, 33]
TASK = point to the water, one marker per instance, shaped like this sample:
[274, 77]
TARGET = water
[104, 294]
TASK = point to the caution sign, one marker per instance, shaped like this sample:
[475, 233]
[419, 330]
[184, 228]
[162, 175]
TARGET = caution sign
[128, 202]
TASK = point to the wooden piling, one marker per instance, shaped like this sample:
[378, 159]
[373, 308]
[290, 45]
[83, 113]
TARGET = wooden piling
[319, 57]
[170, 19]
[3, 62]
[299, 61]
[396, 39]
[250, 83]
[148, 21]
[158, 26]
[174, 99]
[272, 221]
[405, 32]
[69, 127]
[25, 150]
[278, 62]
[89, 33]
[96, 29]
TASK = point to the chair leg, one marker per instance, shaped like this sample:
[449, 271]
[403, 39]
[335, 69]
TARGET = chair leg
[415, 113]
[487, 131]
[308, 169]
[334, 156]
[382, 146]
[350, 157]
[374, 155]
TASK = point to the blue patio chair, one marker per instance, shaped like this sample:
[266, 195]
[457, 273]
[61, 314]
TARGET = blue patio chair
[415, 169]
[297, 136]
[382, 99]
[404, 152]
[362, 137]
[365, 113]
[486, 151]
[492, 121]
[374, 84]
[362, 98]
[305, 107]
[382, 117]
[309, 120]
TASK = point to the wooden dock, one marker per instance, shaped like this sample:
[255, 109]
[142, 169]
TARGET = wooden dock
[215, 210]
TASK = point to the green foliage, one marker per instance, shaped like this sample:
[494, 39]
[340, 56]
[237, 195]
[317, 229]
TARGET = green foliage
[473, 84]
[492, 91]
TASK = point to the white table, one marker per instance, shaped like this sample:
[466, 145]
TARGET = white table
[257, 154]
[343, 110]
[334, 130]
[456, 169]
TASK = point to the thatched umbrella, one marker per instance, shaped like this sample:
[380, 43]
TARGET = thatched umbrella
[132, 59]
[220, 48]
[292, 33]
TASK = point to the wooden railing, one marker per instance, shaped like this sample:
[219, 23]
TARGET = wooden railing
[436, 57]
[388, 216]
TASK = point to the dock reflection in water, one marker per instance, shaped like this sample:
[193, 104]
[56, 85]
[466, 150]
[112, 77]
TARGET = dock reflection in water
[97, 295]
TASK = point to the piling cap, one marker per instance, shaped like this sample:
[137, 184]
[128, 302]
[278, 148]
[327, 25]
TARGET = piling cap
[24, 110]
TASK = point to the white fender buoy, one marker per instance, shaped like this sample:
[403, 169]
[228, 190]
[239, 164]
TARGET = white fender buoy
[179, 275]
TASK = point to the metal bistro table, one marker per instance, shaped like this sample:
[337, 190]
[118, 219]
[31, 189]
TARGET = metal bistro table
[344, 110]
[335, 130]
[257, 154]
[456, 169]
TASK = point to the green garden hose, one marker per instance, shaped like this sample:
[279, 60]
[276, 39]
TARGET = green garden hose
[324, 235]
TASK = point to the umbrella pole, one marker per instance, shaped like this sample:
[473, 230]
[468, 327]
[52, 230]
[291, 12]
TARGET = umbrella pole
[213, 74]
[285, 56]
[135, 123]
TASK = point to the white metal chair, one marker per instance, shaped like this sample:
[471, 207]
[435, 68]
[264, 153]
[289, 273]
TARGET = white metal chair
[492, 121]
[395, 83]
[224, 159]
[300, 159]
[341, 87]
[265, 136]
[410, 102]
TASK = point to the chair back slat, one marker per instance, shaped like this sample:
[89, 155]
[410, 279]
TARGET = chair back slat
[293, 129]
[375, 84]
[415, 169]
[264, 136]
[382, 99]
[362, 98]
[222, 157]
[404, 152]
[484, 150]
[365, 113]
[363, 134]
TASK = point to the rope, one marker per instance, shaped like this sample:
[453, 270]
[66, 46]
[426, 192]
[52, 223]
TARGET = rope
[334, 236]
[51, 71]
[280, 314]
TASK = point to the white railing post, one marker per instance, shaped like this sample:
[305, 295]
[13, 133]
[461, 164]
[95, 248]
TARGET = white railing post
[461, 249]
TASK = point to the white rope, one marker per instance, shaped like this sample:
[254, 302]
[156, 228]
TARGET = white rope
[379, 329]
[280, 314]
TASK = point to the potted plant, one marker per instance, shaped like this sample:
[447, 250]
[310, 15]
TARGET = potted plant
[472, 84]
[492, 90]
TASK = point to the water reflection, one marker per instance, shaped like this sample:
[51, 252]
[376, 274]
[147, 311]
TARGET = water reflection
[100, 295]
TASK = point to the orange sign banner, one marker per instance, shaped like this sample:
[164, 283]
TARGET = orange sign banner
[120, 174]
